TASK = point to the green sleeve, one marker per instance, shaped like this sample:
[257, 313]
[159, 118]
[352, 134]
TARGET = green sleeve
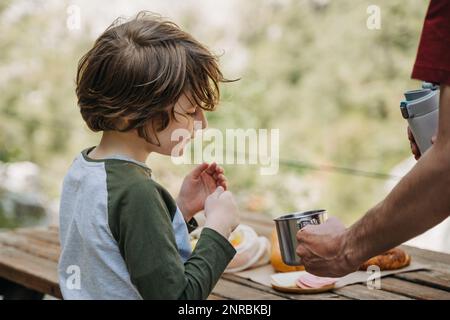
[142, 225]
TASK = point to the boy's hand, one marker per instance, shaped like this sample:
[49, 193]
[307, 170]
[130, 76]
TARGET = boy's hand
[221, 211]
[197, 186]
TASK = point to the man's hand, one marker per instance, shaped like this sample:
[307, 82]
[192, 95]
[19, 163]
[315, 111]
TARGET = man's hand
[414, 147]
[322, 249]
[197, 186]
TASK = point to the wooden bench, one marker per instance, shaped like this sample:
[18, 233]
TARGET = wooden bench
[29, 257]
[28, 263]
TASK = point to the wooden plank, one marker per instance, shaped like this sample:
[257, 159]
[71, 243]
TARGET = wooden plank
[39, 234]
[432, 256]
[53, 227]
[361, 292]
[292, 296]
[235, 291]
[216, 297]
[32, 246]
[413, 290]
[431, 264]
[30, 271]
[428, 278]
[436, 261]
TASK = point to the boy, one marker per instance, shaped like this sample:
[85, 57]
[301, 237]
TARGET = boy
[122, 234]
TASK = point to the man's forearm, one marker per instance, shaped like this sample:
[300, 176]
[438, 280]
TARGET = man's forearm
[420, 201]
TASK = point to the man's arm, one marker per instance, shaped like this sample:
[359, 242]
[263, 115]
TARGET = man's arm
[420, 201]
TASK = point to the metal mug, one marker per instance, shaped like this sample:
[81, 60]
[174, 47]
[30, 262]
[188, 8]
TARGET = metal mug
[287, 228]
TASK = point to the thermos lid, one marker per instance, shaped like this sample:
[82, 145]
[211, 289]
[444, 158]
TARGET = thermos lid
[420, 102]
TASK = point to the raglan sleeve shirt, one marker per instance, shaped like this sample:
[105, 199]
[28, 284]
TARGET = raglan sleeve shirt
[142, 226]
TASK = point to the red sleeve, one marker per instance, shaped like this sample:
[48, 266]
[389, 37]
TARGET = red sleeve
[433, 56]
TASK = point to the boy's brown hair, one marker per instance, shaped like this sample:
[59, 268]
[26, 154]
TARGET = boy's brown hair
[136, 70]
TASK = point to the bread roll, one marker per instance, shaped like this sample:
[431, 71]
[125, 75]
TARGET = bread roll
[390, 260]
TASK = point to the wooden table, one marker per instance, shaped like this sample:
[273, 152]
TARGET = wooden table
[29, 257]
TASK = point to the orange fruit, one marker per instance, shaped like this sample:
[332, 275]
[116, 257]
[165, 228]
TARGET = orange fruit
[276, 260]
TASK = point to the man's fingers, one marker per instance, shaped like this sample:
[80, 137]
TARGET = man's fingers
[199, 169]
[415, 150]
[302, 252]
[333, 221]
[412, 142]
[410, 135]
[306, 235]
[309, 228]
[301, 234]
[413, 147]
[433, 139]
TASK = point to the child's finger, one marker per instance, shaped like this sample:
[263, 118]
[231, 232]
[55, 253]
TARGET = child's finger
[223, 183]
[220, 169]
[220, 179]
[212, 168]
[219, 190]
[199, 169]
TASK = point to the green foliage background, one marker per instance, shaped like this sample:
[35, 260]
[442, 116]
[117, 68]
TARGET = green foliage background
[315, 71]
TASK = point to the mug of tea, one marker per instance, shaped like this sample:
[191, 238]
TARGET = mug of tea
[287, 228]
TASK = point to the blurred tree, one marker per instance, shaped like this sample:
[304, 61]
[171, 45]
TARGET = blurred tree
[311, 68]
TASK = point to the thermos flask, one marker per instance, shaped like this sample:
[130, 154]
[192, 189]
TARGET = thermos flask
[421, 109]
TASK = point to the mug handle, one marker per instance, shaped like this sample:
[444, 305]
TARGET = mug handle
[301, 223]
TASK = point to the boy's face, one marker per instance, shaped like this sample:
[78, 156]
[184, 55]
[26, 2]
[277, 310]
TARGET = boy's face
[186, 113]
